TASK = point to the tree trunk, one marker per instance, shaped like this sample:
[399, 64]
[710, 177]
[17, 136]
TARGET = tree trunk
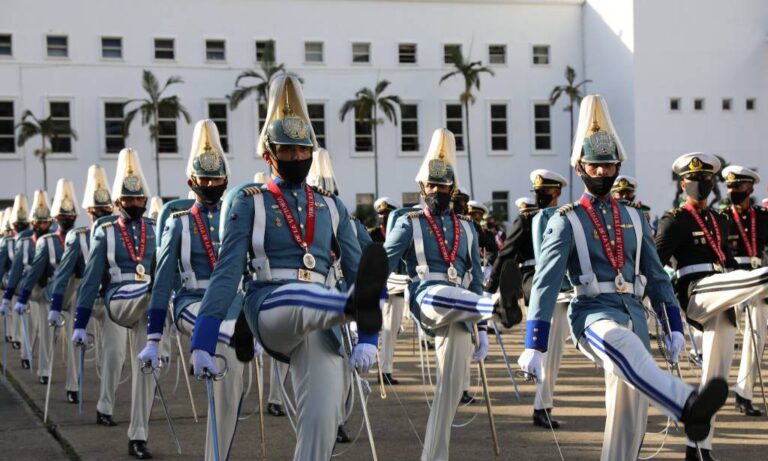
[45, 166]
[570, 169]
[375, 156]
[469, 151]
[157, 150]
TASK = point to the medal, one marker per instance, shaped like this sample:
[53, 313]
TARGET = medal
[714, 242]
[453, 274]
[137, 258]
[750, 246]
[449, 258]
[615, 255]
[620, 283]
[308, 259]
[204, 236]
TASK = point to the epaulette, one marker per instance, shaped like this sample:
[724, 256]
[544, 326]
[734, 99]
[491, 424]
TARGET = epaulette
[108, 224]
[674, 211]
[81, 230]
[179, 214]
[464, 217]
[526, 214]
[48, 235]
[321, 191]
[251, 190]
[414, 214]
[566, 208]
[634, 205]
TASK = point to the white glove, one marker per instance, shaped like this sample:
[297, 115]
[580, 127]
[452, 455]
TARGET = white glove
[80, 337]
[363, 357]
[149, 354]
[257, 348]
[487, 294]
[530, 362]
[20, 308]
[674, 345]
[5, 306]
[54, 318]
[202, 360]
[482, 347]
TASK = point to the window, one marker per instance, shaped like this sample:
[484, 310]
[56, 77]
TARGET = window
[727, 102]
[448, 52]
[411, 198]
[363, 132]
[262, 115]
[114, 139]
[7, 132]
[60, 114]
[215, 50]
[6, 48]
[497, 54]
[542, 129]
[217, 111]
[750, 104]
[316, 114]
[698, 104]
[166, 136]
[265, 50]
[361, 53]
[540, 55]
[454, 122]
[674, 104]
[499, 127]
[409, 127]
[500, 205]
[111, 47]
[57, 46]
[406, 53]
[164, 48]
[313, 52]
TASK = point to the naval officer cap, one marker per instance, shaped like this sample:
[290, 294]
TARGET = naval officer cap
[736, 174]
[460, 192]
[473, 206]
[383, 204]
[545, 178]
[695, 163]
[526, 204]
[624, 183]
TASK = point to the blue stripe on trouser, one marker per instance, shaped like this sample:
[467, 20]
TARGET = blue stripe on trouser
[191, 319]
[630, 374]
[482, 301]
[433, 301]
[322, 299]
[130, 294]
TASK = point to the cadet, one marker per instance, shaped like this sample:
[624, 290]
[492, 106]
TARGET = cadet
[122, 250]
[610, 272]
[624, 189]
[486, 238]
[748, 238]
[441, 254]
[460, 201]
[18, 221]
[286, 232]
[36, 328]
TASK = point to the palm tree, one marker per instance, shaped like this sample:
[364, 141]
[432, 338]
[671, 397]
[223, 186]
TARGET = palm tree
[471, 71]
[366, 105]
[575, 95]
[151, 107]
[269, 69]
[48, 129]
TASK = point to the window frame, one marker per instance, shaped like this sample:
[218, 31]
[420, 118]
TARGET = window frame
[14, 120]
[533, 120]
[370, 53]
[324, 104]
[460, 152]
[494, 201]
[504, 47]
[726, 102]
[703, 102]
[322, 52]
[445, 61]
[410, 153]
[415, 53]
[72, 154]
[534, 55]
[103, 127]
[753, 102]
[256, 42]
[10, 45]
[155, 49]
[111, 58]
[157, 152]
[674, 100]
[354, 151]
[489, 120]
[66, 47]
[228, 151]
[209, 40]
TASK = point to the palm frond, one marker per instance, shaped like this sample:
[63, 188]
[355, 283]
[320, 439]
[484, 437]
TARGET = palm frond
[250, 73]
[239, 94]
[172, 80]
[381, 86]
[348, 106]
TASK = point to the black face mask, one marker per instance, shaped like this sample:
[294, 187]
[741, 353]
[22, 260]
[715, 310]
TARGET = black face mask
[698, 190]
[459, 207]
[438, 202]
[295, 172]
[97, 213]
[738, 197]
[19, 227]
[66, 224]
[134, 212]
[211, 194]
[598, 185]
[543, 200]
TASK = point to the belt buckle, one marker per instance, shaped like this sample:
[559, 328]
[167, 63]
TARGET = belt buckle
[717, 267]
[139, 277]
[305, 275]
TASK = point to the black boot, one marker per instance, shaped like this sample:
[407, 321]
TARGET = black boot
[692, 454]
[42, 380]
[540, 419]
[104, 420]
[342, 436]
[745, 406]
[701, 406]
[16, 345]
[389, 380]
[25, 364]
[73, 397]
[275, 409]
[138, 449]
[363, 304]
[507, 307]
[467, 399]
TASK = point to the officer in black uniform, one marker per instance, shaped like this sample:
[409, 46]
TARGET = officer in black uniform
[383, 207]
[460, 201]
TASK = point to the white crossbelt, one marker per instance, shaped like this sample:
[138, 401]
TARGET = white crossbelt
[746, 260]
[528, 263]
[606, 287]
[696, 268]
[299, 274]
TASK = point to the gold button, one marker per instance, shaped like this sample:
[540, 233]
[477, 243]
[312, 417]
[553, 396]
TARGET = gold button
[535, 338]
[294, 194]
[212, 228]
[535, 330]
[299, 208]
[302, 226]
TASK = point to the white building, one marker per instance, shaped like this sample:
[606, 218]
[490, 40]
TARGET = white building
[81, 59]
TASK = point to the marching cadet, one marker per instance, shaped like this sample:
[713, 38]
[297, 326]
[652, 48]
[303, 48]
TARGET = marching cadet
[18, 221]
[38, 318]
[35, 284]
[607, 251]
[697, 239]
[63, 294]
[748, 239]
[287, 233]
[442, 258]
[122, 251]
[190, 244]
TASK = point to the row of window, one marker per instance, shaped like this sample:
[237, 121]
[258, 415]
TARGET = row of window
[114, 114]
[726, 104]
[57, 46]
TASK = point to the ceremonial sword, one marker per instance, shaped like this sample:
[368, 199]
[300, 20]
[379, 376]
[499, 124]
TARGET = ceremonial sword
[487, 396]
[147, 368]
[527, 376]
[260, 391]
[209, 378]
[506, 359]
[186, 374]
[25, 340]
[55, 327]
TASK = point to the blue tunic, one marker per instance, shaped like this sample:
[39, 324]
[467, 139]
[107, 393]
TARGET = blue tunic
[72, 264]
[17, 265]
[41, 269]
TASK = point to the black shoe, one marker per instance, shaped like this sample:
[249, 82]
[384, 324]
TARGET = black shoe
[73, 397]
[138, 449]
[467, 399]
[428, 345]
[389, 380]
[43, 380]
[701, 406]
[745, 406]
[102, 419]
[25, 364]
[275, 409]
[8, 339]
[510, 288]
[692, 454]
[16, 345]
[363, 304]
[342, 436]
[540, 419]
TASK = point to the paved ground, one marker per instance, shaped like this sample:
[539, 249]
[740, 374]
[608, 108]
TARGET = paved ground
[579, 401]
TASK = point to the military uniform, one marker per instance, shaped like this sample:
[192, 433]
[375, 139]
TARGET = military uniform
[16, 218]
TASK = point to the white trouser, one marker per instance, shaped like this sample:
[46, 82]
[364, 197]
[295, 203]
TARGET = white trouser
[38, 308]
[710, 299]
[346, 388]
[275, 396]
[113, 348]
[69, 350]
[15, 326]
[751, 351]
[392, 313]
[558, 332]
[633, 379]
[290, 320]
